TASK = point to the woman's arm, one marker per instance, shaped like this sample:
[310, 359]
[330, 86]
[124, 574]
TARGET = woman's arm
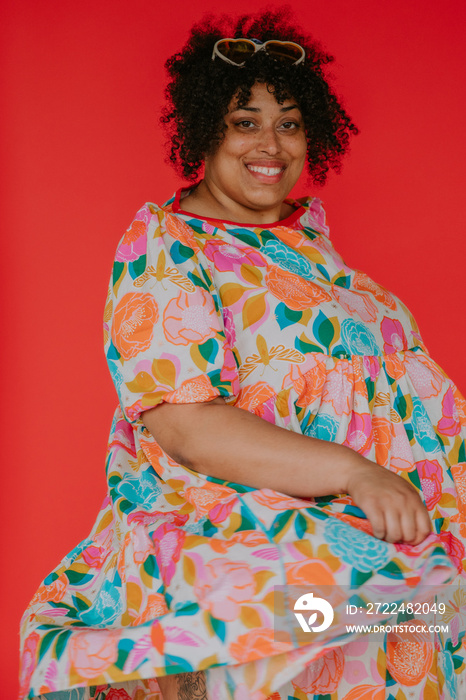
[230, 443]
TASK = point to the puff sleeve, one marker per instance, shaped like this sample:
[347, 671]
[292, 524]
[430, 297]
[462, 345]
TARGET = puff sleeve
[163, 324]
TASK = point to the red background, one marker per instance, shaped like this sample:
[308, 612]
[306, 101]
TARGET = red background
[82, 150]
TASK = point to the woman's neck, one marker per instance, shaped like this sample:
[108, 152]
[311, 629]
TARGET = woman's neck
[206, 202]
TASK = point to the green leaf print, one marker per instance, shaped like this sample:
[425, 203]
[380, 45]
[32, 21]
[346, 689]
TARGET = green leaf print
[180, 252]
[137, 267]
[209, 350]
[304, 345]
[60, 644]
[325, 329]
[77, 578]
[118, 270]
[219, 627]
[47, 640]
[286, 316]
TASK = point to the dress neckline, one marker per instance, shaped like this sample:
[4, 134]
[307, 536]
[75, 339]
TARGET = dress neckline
[288, 221]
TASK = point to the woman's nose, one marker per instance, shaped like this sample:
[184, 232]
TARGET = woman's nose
[269, 141]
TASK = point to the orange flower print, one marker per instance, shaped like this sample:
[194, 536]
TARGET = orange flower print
[156, 606]
[257, 644]
[366, 692]
[204, 498]
[277, 501]
[133, 323]
[179, 229]
[193, 390]
[296, 292]
[458, 472]
[190, 318]
[91, 653]
[315, 571]
[366, 284]
[409, 654]
[382, 433]
[55, 591]
[252, 397]
[322, 675]
[394, 366]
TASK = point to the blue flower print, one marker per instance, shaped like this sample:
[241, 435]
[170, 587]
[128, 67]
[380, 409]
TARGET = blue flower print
[287, 258]
[116, 375]
[76, 551]
[356, 548]
[106, 608]
[448, 669]
[323, 427]
[357, 338]
[142, 491]
[196, 528]
[422, 427]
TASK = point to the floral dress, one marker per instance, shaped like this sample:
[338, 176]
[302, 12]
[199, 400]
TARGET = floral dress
[185, 572]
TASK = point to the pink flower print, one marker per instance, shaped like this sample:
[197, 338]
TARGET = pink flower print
[229, 324]
[355, 303]
[203, 498]
[134, 243]
[316, 217]
[229, 257]
[393, 335]
[424, 375]
[359, 435]
[222, 586]
[94, 556]
[401, 458]
[229, 371]
[92, 652]
[190, 318]
[449, 424]
[28, 662]
[142, 544]
[338, 388]
[431, 477]
[455, 549]
[168, 543]
[220, 512]
[372, 366]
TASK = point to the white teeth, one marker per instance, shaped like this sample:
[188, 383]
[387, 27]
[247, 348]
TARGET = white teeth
[264, 171]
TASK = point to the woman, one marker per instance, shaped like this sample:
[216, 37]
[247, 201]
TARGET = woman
[281, 429]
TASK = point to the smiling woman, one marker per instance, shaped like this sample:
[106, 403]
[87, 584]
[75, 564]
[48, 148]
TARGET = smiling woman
[280, 426]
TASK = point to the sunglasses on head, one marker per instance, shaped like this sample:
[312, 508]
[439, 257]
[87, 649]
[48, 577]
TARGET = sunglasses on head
[237, 51]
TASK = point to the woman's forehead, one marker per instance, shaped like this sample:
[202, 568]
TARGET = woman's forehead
[262, 98]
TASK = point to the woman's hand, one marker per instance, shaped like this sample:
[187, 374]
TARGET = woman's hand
[392, 506]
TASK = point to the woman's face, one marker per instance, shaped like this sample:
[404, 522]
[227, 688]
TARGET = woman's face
[262, 154]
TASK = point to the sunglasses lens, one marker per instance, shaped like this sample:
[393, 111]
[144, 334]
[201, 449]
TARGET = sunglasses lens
[237, 51]
[285, 51]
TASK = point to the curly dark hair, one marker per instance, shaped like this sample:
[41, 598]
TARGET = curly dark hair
[201, 89]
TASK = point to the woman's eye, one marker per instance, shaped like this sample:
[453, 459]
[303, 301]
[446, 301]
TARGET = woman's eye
[246, 123]
[288, 126]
